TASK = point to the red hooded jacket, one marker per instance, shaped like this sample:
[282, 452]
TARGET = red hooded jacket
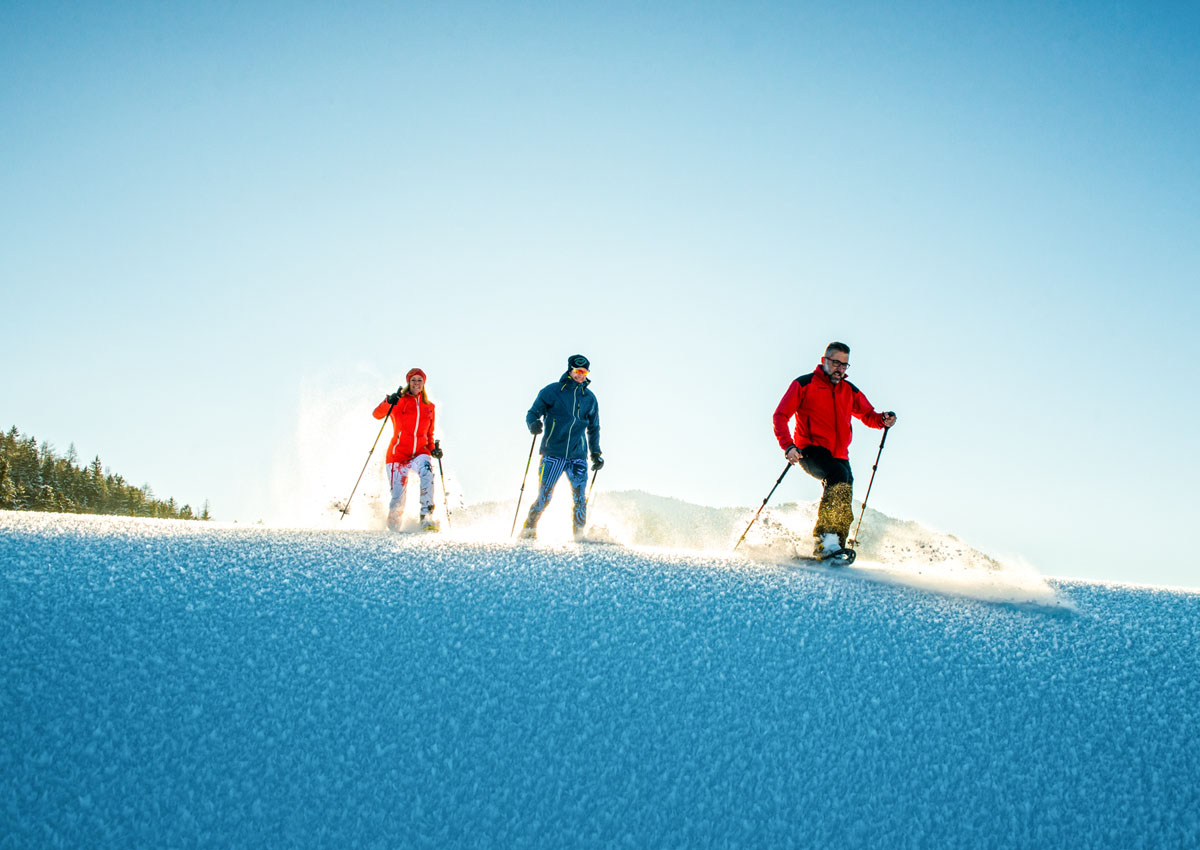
[412, 424]
[822, 410]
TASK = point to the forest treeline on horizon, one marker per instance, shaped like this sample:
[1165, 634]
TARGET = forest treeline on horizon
[35, 478]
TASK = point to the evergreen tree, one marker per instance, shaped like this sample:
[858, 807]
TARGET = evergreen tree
[8, 493]
[35, 478]
[48, 474]
[97, 492]
[26, 473]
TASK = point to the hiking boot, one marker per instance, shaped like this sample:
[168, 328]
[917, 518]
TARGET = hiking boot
[827, 545]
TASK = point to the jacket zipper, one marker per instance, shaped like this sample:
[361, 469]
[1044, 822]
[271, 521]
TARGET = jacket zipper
[837, 431]
[574, 410]
[417, 429]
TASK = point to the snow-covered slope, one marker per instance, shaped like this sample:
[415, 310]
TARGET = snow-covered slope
[177, 684]
[889, 550]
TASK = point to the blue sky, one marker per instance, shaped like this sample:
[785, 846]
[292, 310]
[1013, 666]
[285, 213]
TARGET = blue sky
[211, 213]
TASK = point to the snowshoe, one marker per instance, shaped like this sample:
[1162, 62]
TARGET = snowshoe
[829, 549]
[840, 558]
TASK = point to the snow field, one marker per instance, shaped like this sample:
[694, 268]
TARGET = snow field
[178, 684]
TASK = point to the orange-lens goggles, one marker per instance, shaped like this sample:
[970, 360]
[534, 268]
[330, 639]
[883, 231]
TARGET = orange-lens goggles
[582, 373]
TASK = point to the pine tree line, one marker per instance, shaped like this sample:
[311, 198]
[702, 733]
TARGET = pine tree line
[34, 478]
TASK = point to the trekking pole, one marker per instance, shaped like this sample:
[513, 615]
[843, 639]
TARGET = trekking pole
[588, 501]
[760, 507]
[386, 416]
[863, 511]
[522, 493]
[445, 495]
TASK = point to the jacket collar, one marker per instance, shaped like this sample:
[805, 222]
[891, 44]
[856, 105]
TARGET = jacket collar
[819, 375]
[567, 379]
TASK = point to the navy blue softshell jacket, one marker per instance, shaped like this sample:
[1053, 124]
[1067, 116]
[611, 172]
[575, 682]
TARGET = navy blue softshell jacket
[571, 413]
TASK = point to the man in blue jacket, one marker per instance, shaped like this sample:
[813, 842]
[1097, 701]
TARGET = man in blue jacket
[568, 413]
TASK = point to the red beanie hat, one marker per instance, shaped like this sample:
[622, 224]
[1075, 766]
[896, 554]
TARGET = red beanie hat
[415, 371]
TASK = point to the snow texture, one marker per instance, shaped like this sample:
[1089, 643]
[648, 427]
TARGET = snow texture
[181, 684]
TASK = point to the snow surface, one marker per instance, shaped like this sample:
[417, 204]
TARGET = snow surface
[182, 684]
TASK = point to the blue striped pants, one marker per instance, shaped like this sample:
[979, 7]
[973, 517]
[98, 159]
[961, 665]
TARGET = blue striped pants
[548, 474]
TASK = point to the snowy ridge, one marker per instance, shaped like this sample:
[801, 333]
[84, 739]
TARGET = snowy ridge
[181, 684]
[890, 550]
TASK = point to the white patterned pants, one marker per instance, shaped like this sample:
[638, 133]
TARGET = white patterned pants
[398, 480]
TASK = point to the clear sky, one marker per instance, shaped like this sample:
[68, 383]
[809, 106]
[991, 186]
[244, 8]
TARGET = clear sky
[217, 218]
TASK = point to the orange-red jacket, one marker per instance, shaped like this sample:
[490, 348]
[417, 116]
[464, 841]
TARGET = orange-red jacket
[822, 410]
[412, 424]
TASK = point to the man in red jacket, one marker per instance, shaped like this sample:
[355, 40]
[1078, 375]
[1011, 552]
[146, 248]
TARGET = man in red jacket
[412, 415]
[822, 404]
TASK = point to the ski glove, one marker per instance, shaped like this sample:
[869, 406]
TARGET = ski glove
[597, 461]
[393, 398]
[536, 427]
[437, 451]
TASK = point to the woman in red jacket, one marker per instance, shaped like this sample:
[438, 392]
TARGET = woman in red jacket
[822, 403]
[412, 445]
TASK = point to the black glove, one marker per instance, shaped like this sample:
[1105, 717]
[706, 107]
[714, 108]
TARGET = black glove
[536, 427]
[437, 449]
[393, 398]
[597, 462]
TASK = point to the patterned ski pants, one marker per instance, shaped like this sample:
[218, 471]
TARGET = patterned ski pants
[548, 475]
[398, 481]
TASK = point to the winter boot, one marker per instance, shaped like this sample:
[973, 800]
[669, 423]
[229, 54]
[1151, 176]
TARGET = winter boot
[428, 523]
[528, 532]
[394, 520]
[579, 532]
[827, 545]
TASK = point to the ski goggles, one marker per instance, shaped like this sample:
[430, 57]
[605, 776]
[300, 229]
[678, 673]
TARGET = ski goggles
[579, 373]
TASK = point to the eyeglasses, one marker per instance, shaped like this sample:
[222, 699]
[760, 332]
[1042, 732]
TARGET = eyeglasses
[833, 364]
